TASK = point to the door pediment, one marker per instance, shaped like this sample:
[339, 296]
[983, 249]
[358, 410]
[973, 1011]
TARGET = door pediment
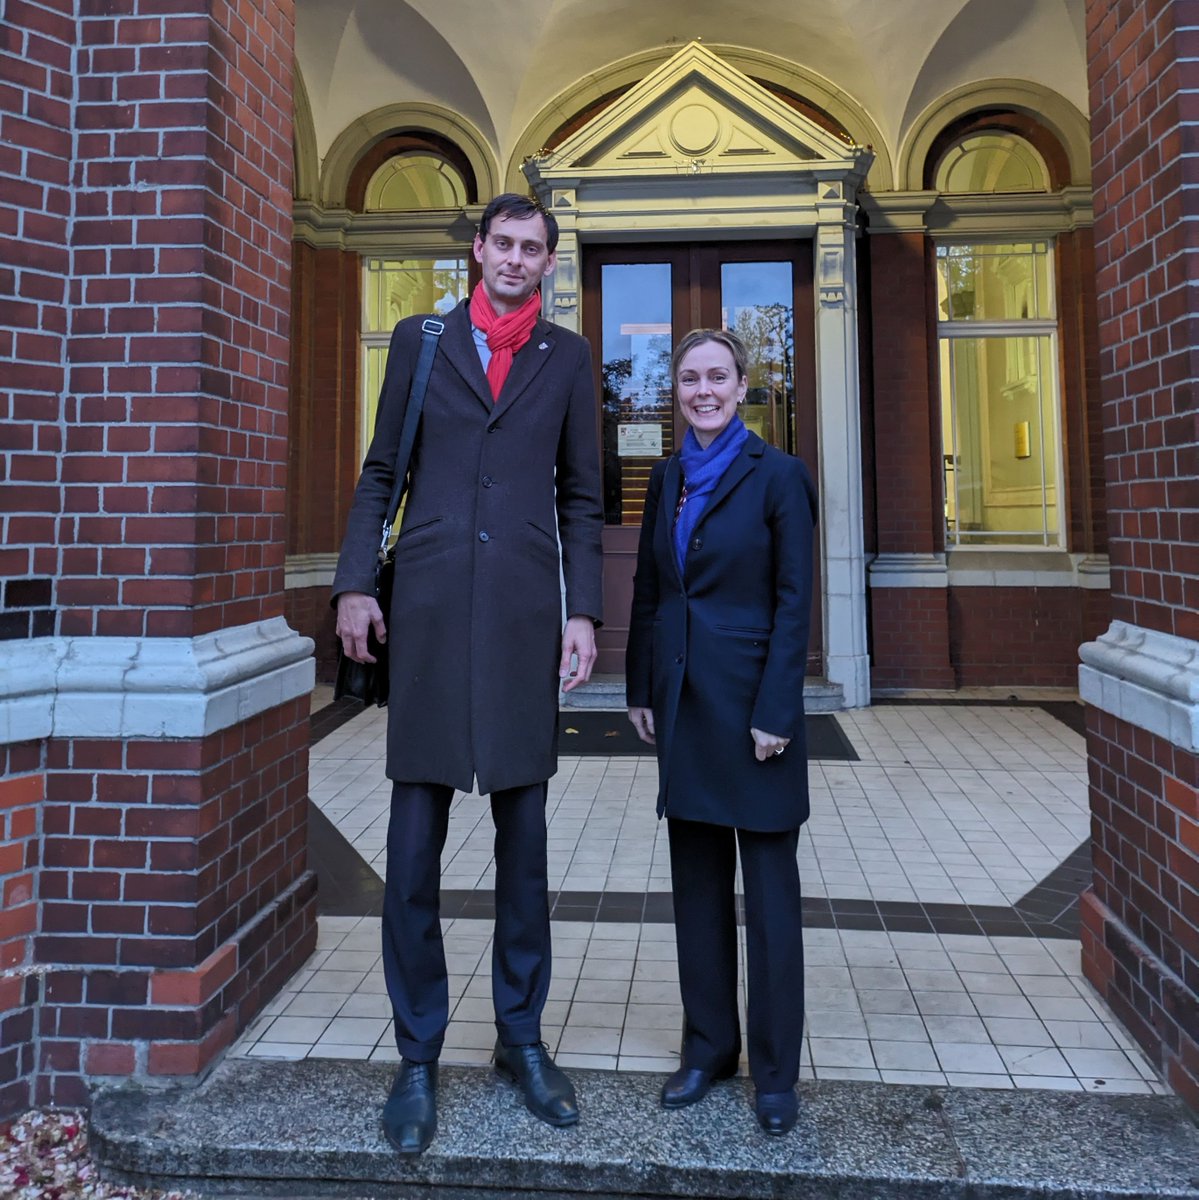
[698, 113]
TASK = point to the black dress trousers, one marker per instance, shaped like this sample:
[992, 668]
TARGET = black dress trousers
[703, 864]
[413, 954]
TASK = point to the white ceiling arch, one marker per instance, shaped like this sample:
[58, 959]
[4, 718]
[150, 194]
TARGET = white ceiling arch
[503, 68]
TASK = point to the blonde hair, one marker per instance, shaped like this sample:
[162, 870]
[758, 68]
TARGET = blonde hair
[697, 337]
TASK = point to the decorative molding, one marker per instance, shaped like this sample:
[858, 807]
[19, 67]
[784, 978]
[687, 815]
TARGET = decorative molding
[110, 687]
[696, 115]
[1027, 568]
[897, 212]
[1051, 109]
[908, 571]
[756, 64]
[1035, 214]
[360, 135]
[966, 567]
[431, 232]
[308, 571]
[307, 159]
[1149, 679]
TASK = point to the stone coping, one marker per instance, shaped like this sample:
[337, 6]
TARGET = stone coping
[311, 1128]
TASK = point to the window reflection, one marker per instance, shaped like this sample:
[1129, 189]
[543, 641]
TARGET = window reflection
[756, 305]
[638, 409]
[998, 347]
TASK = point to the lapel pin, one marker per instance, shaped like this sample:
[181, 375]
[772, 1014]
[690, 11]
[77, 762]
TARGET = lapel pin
[544, 346]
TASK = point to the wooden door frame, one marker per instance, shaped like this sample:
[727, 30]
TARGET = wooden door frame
[695, 303]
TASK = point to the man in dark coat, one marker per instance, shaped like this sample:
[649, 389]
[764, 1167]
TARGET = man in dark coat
[503, 505]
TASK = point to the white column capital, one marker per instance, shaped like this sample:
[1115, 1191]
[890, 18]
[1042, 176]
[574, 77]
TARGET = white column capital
[115, 687]
[1149, 679]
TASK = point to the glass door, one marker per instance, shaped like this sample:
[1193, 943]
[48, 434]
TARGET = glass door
[638, 301]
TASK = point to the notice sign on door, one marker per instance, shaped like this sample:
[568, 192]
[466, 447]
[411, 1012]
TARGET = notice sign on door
[639, 441]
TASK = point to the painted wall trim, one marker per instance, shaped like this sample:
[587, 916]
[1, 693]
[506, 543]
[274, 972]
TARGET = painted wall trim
[908, 571]
[1149, 679]
[992, 568]
[109, 687]
[309, 571]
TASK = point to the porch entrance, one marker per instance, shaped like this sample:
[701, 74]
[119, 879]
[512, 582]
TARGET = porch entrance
[638, 300]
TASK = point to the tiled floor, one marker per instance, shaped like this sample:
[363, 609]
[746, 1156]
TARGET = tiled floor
[949, 806]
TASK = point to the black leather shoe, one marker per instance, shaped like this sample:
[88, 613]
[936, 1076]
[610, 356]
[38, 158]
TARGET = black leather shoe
[688, 1085]
[777, 1111]
[548, 1093]
[410, 1114]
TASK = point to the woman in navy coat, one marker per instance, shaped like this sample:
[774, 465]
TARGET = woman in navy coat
[715, 667]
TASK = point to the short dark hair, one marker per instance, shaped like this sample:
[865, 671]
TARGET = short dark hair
[724, 337]
[512, 205]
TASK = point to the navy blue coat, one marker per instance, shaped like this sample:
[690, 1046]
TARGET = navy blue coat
[723, 647]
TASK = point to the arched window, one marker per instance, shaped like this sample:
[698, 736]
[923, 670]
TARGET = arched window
[998, 351]
[413, 176]
[415, 181]
[992, 162]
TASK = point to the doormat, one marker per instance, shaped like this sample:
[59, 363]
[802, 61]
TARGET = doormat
[583, 731]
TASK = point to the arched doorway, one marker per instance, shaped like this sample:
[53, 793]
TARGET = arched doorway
[702, 177]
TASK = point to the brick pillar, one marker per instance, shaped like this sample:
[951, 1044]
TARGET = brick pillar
[1141, 678]
[909, 613]
[162, 700]
[325, 451]
[35, 204]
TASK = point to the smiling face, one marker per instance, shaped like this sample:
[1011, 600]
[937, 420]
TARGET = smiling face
[515, 258]
[709, 389]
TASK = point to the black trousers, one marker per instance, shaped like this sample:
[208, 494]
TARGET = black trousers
[703, 864]
[413, 955]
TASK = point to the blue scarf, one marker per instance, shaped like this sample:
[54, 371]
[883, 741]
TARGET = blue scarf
[702, 471]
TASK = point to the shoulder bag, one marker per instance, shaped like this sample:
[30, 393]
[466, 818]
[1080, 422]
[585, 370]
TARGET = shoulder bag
[369, 682]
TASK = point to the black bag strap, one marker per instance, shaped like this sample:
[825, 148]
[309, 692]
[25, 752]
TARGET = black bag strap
[431, 330]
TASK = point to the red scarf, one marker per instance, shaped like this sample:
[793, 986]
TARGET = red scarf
[505, 335]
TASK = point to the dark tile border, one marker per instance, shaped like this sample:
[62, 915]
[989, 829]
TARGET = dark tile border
[349, 886]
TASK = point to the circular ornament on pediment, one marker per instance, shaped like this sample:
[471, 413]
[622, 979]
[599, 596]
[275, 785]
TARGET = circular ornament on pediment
[694, 129]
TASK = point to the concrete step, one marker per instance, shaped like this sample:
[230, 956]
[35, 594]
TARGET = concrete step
[311, 1128]
[607, 692]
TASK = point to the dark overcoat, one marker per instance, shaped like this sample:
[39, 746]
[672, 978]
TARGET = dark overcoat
[474, 631]
[721, 647]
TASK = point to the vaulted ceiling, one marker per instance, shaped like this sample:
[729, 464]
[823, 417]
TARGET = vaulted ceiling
[501, 65]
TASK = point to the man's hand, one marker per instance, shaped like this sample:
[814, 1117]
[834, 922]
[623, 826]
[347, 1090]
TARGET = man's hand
[578, 639]
[767, 745]
[643, 722]
[357, 613]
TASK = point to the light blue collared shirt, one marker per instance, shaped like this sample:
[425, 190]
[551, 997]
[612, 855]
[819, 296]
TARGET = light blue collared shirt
[481, 345]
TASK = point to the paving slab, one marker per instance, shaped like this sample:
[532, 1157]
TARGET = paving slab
[311, 1128]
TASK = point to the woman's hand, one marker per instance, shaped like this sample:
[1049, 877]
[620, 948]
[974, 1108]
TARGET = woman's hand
[643, 722]
[766, 745]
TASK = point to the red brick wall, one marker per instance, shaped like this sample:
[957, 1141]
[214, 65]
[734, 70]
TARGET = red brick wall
[21, 789]
[909, 630]
[175, 896]
[1141, 937]
[1143, 74]
[178, 325]
[1086, 520]
[1022, 636]
[145, 192]
[35, 206]
[325, 447]
[1141, 915]
[308, 610]
[905, 413]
